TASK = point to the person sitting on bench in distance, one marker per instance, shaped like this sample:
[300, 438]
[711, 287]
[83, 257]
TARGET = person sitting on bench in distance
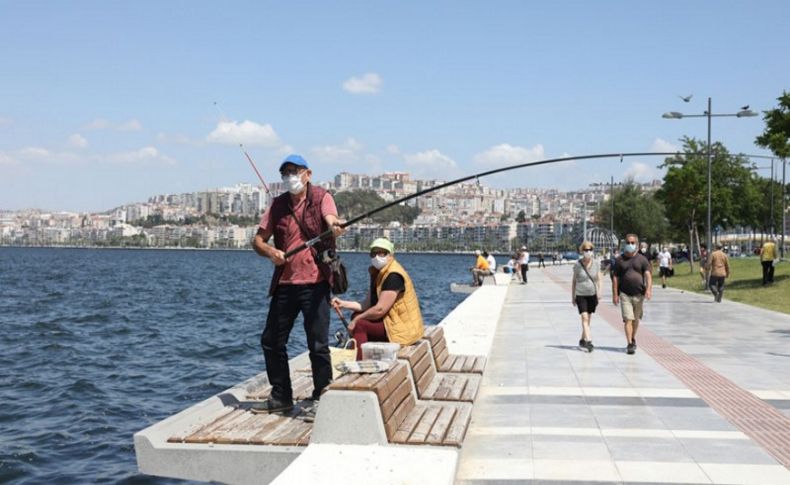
[480, 269]
[390, 312]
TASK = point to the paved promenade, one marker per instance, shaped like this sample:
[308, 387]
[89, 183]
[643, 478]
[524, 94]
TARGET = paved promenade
[706, 398]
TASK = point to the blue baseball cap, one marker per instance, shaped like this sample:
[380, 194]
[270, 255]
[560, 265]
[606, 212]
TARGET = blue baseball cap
[294, 159]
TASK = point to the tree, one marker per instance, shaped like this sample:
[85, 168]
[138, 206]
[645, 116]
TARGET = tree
[685, 189]
[776, 136]
[521, 217]
[636, 212]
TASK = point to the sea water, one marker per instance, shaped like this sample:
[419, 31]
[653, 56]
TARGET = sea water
[98, 344]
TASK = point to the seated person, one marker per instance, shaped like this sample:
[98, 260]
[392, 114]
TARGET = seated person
[480, 269]
[390, 311]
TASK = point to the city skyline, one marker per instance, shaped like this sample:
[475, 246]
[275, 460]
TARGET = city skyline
[107, 103]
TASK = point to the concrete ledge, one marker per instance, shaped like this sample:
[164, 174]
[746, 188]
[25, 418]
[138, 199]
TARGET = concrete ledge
[211, 462]
[470, 327]
[364, 465]
[349, 417]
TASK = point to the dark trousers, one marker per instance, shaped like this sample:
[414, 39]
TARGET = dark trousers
[768, 272]
[524, 269]
[288, 301]
[716, 285]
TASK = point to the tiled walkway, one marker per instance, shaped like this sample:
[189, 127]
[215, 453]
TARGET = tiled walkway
[706, 398]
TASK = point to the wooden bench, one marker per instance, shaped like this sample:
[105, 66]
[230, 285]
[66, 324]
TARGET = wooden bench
[407, 420]
[446, 362]
[437, 386]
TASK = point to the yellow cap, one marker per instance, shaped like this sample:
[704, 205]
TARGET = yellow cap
[383, 243]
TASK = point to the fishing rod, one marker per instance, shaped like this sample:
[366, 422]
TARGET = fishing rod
[312, 242]
[249, 158]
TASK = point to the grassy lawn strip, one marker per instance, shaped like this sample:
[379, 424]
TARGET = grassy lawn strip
[745, 284]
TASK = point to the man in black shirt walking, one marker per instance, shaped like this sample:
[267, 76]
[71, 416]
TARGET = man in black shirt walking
[632, 282]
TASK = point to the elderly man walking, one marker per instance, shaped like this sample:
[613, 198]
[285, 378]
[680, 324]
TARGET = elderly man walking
[632, 282]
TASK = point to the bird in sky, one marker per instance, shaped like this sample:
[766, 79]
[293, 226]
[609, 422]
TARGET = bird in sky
[745, 107]
[686, 99]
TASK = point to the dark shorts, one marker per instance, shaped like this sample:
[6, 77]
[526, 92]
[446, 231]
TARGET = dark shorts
[586, 304]
[664, 271]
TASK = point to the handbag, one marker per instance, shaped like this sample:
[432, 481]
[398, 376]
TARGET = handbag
[342, 354]
[330, 258]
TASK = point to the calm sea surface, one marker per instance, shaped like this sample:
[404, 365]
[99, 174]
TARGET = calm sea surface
[98, 344]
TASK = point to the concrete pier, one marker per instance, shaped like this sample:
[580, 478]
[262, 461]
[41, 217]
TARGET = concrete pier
[705, 399]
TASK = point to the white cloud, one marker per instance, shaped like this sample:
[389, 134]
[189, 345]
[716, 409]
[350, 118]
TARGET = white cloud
[285, 150]
[347, 151]
[6, 159]
[97, 124]
[34, 152]
[369, 83]
[77, 141]
[247, 133]
[661, 145]
[431, 164]
[641, 172]
[146, 155]
[102, 124]
[393, 149]
[506, 154]
[131, 125]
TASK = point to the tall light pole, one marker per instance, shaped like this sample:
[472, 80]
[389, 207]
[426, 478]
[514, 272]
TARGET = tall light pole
[674, 115]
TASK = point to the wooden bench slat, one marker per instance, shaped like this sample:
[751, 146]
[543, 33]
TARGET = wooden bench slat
[297, 430]
[279, 428]
[440, 358]
[469, 363]
[438, 349]
[472, 386]
[391, 380]
[458, 388]
[391, 403]
[239, 430]
[419, 368]
[302, 387]
[180, 437]
[434, 334]
[424, 426]
[400, 414]
[457, 429]
[458, 364]
[254, 428]
[218, 431]
[480, 364]
[270, 430]
[425, 381]
[440, 427]
[407, 426]
[445, 386]
[413, 353]
[201, 435]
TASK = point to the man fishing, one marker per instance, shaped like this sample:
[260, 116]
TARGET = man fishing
[301, 281]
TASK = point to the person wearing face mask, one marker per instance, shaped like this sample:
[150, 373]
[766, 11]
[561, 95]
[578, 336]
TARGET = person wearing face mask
[390, 312]
[586, 290]
[631, 284]
[301, 283]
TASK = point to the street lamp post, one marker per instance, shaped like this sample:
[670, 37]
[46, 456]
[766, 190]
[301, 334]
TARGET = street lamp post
[674, 115]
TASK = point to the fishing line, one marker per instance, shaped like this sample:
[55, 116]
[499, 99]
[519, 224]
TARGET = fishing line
[369, 213]
[241, 147]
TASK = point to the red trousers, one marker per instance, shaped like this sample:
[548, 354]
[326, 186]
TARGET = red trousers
[368, 331]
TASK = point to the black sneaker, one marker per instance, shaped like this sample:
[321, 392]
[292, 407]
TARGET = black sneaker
[582, 344]
[272, 405]
[633, 341]
[663, 286]
[309, 409]
[631, 349]
[589, 346]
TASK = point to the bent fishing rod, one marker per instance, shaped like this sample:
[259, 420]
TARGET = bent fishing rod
[369, 213]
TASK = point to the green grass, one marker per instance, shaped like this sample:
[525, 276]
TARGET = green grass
[744, 284]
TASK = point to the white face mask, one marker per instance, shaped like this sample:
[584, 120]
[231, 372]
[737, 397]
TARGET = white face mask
[379, 261]
[293, 183]
[588, 254]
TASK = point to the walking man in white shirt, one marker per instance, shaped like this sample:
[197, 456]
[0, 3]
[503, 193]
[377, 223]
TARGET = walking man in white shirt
[664, 265]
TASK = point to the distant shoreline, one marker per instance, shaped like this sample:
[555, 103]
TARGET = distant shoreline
[171, 248]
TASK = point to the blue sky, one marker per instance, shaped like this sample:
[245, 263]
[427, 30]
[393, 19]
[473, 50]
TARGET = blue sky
[107, 102]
